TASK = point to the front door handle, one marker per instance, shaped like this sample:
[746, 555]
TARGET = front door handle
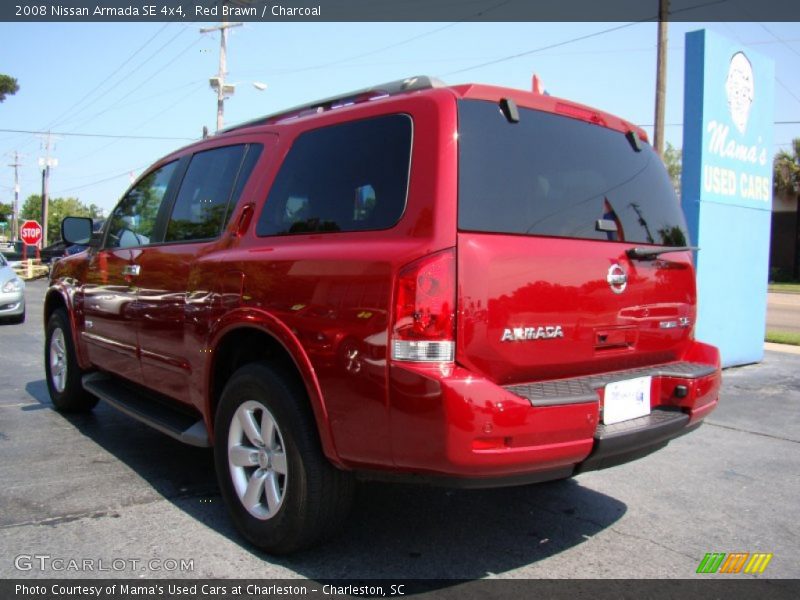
[131, 270]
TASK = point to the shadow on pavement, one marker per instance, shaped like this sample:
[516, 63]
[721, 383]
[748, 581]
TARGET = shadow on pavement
[394, 531]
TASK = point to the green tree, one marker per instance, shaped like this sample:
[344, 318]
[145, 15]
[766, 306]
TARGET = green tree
[786, 171]
[8, 86]
[5, 211]
[673, 160]
[58, 209]
[5, 220]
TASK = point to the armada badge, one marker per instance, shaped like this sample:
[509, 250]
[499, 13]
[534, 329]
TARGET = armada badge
[523, 334]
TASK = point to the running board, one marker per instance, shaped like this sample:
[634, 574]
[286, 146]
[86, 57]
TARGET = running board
[148, 409]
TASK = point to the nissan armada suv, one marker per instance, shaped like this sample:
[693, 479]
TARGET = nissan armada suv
[465, 285]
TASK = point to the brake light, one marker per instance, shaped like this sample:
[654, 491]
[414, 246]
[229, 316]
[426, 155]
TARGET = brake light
[424, 319]
[579, 112]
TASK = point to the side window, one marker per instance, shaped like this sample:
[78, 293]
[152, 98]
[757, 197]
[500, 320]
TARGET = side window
[349, 177]
[214, 180]
[134, 219]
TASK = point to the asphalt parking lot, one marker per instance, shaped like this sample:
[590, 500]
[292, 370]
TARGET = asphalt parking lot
[104, 487]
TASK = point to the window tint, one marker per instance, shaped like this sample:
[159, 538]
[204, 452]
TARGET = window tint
[249, 163]
[134, 219]
[350, 177]
[556, 176]
[208, 192]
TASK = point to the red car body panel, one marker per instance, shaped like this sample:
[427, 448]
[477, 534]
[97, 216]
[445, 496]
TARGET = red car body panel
[328, 299]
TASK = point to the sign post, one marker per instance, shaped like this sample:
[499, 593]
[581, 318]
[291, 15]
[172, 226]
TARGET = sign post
[726, 189]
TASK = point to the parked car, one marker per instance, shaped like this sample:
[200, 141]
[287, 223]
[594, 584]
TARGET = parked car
[13, 252]
[12, 294]
[465, 285]
[48, 254]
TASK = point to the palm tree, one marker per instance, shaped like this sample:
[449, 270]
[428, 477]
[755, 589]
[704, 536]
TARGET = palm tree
[786, 171]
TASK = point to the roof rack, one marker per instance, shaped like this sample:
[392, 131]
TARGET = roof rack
[383, 90]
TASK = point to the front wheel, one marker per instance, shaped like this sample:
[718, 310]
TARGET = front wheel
[282, 492]
[61, 367]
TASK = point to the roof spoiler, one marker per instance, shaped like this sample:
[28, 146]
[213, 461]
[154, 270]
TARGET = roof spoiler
[383, 90]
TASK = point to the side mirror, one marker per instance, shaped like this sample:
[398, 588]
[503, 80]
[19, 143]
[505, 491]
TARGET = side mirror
[77, 230]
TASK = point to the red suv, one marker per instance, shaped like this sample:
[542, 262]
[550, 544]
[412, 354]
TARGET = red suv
[466, 285]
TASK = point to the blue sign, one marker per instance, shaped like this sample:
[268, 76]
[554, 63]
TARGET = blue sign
[726, 189]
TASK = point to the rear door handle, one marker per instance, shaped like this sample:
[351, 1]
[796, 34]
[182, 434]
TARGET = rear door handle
[131, 270]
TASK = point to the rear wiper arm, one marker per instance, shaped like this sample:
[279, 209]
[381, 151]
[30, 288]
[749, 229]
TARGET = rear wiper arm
[650, 252]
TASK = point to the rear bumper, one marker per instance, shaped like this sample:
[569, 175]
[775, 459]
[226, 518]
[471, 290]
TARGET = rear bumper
[452, 425]
[629, 440]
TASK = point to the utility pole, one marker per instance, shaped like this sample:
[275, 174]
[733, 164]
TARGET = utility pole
[45, 164]
[218, 83]
[15, 208]
[661, 77]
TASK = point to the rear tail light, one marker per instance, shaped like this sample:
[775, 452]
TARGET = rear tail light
[424, 319]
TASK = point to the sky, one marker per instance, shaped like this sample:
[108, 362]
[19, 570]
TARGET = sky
[147, 83]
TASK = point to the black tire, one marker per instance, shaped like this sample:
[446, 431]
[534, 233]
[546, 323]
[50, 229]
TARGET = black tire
[315, 497]
[62, 373]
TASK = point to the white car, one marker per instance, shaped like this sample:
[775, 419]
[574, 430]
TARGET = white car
[12, 294]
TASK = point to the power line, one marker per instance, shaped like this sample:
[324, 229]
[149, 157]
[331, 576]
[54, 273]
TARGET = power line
[580, 38]
[161, 68]
[780, 41]
[147, 60]
[86, 185]
[61, 119]
[195, 88]
[98, 135]
[681, 124]
[129, 74]
[777, 79]
[118, 106]
[408, 40]
[541, 48]
[124, 173]
[112, 74]
[390, 46]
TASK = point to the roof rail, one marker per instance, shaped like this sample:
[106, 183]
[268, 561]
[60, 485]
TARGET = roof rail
[390, 88]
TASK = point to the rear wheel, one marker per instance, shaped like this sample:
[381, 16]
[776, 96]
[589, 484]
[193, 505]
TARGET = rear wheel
[282, 492]
[61, 367]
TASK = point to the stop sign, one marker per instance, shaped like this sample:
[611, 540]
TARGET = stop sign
[31, 233]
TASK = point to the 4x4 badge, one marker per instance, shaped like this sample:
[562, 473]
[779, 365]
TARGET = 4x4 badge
[617, 279]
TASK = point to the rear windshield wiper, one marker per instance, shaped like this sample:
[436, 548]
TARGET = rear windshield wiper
[650, 252]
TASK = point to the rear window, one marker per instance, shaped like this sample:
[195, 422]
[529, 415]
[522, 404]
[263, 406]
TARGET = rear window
[348, 177]
[551, 175]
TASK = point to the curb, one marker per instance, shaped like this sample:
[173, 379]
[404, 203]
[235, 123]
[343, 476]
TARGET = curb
[784, 348]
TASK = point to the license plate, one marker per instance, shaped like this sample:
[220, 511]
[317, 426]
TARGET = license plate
[625, 400]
